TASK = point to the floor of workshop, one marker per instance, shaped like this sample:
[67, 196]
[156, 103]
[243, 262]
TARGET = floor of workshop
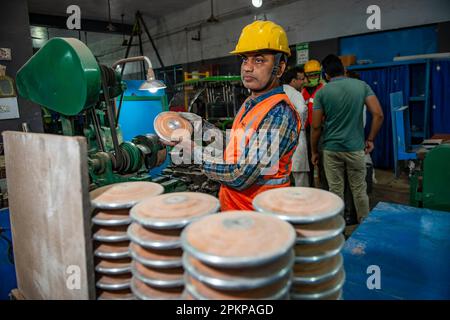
[387, 188]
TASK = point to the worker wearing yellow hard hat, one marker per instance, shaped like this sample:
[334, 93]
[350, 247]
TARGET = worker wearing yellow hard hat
[262, 35]
[266, 121]
[312, 71]
[267, 38]
[313, 84]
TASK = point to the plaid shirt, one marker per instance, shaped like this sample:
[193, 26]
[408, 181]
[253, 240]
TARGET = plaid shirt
[242, 176]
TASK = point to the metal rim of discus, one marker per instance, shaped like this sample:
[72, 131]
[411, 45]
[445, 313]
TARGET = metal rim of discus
[111, 223]
[300, 219]
[113, 286]
[128, 296]
[324, 297]
[113, 206]
[158, 283]
[319, 295]
[111, 238]
[280, 295]
[112, 255]
[320, 278]
[125, 205]
[238, 284]
[230, 262]
[164, 224]
[161, 264]
[328, 236]
[158, 245]
[326, 255]
[113, 271]
[142, 296]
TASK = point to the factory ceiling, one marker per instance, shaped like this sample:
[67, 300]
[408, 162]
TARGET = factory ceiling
[98, 10]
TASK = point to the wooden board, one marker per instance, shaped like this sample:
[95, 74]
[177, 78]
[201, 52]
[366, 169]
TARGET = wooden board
[50, 214]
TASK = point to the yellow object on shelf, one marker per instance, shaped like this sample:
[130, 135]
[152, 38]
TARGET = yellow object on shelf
[348, 60]
[191, 76]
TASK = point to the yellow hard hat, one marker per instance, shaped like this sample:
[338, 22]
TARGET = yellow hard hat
[312, 66]
[262, 35]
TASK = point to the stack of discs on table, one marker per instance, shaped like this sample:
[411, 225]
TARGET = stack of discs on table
[156, 244]
[238, 255]
[318, 271]
[111, 219]
[171, 126]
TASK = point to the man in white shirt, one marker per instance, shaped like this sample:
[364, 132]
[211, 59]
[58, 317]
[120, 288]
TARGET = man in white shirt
[293, 81]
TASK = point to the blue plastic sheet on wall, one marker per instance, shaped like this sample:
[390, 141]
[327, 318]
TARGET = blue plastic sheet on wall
[7, 269]
[384, 46]
[383, 82]
[440, 96]
[136, 117]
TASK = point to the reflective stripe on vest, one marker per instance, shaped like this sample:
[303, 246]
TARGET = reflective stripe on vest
[244, 127]
[309, 100]
[272, 182]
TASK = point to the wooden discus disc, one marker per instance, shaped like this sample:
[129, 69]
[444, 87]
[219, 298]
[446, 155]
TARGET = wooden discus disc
[113, 267]
[113, 250]
[152, 238]
[320, 290]
[114, 283]
[174, 210]
[145, 292]
[238, 239]
[202, 291]
[299, 204]
[170, 258]
[239, 279]
[124, 195]
[111, 234]
[111, 218]
[320, 231]
[316, 272]
[164, 278]
[116, 295]
[172, 127]
[313, 252]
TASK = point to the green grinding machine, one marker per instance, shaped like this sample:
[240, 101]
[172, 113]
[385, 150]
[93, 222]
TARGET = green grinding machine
[65, 79]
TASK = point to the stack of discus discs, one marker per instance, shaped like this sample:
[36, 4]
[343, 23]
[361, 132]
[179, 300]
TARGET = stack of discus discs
[111, 244]
[238, 255]
[156, 244]
[171, 126]
[318, 271]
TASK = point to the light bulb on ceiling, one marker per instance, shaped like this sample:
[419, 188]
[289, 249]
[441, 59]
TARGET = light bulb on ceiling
[257, 3]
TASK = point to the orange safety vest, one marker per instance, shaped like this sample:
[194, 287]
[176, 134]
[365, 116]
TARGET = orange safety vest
[309, 100]
[244, 128]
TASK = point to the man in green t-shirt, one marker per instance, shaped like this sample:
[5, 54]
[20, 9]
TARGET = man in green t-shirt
[339, 106]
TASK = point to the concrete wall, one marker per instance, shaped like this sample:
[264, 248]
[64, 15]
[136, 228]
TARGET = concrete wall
[106, 47]
[15, 34]
[304, 20]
